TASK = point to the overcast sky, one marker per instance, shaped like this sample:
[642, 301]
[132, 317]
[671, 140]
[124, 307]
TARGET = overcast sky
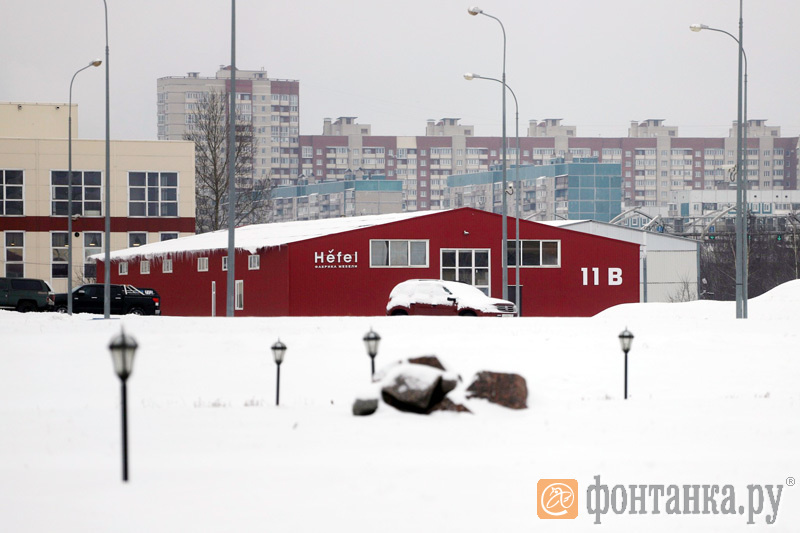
[596, 64]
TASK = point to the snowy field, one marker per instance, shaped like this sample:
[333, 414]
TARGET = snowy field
[713, 401]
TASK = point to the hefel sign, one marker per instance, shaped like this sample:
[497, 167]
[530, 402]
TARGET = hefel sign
[334, 259]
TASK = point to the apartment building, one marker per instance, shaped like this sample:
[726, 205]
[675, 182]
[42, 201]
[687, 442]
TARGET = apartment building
[567, 190]
[151, 189]
[356, 195]
[654, 160]
[271, 106]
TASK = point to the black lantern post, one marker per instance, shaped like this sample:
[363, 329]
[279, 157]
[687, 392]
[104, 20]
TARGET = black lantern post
[625, 340]
[278, 351]
[123, 349]
[371, 340]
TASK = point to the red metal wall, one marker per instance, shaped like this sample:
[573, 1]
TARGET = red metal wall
[293, 281]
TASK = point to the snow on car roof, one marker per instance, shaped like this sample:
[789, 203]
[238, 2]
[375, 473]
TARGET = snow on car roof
[430, 291]
[257, 236]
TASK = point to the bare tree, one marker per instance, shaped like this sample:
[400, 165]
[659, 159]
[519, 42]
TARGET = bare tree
[685, 292]
[771, 260]
[208, 128]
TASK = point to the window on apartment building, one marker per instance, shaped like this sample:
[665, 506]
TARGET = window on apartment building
[144, 266]
[398, 253]
[11, 192]
[92, 244]
[202, 264]
[153, 194]
[15, 254]
[225, 263]
[137, 239]
[123, 268]
[253, 262]
[59, 250]
[166, 265]
[168, 236]
[86, 193]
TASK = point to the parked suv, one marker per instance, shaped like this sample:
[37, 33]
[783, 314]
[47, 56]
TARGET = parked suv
[125, 299]
[26, 294]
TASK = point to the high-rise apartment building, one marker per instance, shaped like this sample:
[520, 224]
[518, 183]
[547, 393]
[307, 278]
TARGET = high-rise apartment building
[272, 106]
[655, 162]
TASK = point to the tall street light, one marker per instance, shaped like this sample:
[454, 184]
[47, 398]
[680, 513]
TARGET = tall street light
[741, 169]
[478, 11]
[472, 76]
[107, 254]
[95, 63]
[230, 296]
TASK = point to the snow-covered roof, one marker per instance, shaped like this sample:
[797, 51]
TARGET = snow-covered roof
[654, 241]
[256, 236]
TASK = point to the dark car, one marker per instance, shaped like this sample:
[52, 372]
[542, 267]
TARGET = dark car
[26, 294]
[440, 297]
[125, 300]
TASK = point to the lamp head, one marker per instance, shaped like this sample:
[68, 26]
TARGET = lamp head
[698, 27]
[278, 351]
[625, 340]
[469, 76]
[475, 10]
[371, 340]
[123, 349]
[96, 63]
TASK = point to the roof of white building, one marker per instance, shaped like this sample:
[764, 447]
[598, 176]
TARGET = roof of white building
[257, 236]
[653, 241]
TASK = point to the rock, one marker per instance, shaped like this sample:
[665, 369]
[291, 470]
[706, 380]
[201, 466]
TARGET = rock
[449, 405]
[428, 360]
[449, 382]
[508, 390]
[413, 388]
[364, 407]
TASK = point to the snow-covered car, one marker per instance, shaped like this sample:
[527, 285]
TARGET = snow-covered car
[440, 297]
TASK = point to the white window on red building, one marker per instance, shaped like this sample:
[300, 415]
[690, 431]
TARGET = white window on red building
[239, 294]
[467, 266]
[396, 253]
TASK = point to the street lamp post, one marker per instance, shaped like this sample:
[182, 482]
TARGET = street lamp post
[95, 63]
[123, 350]
[371, 340]
[230, 296]
[741, 169]
[472, 76]
[504, 260]
[278, 351]
[625, 340]
[107, 236]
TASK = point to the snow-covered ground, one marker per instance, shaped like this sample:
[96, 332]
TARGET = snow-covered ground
[713, 400]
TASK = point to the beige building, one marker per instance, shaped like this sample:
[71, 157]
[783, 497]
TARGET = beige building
[152, 193]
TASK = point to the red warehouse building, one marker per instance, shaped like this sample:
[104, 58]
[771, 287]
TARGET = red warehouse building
[348, 266]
